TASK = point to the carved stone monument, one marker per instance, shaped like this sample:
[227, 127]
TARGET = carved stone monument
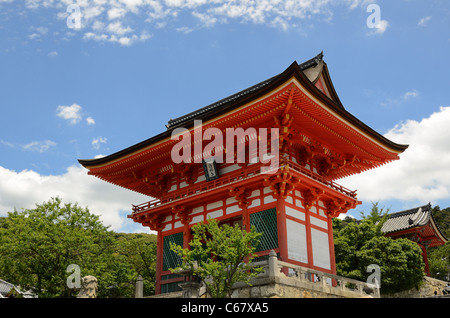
[88, 287]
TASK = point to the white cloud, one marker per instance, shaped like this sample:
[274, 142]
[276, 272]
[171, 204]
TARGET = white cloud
[39, 146]
[123, 40]
[39, 31]
[410, 94]
[52, 54]
[120, 21]
[97, 141]
[423, 21]
[33, 36]
[118, 28]
[389, 102]
[73, 114]
[70, 113]
[22, 190]
[205, 19]
[422, 173]
[34, 146]
[94, 36]
[380, 28]
[7, 144]
[184, 30]
[90, 121]
[115, 13]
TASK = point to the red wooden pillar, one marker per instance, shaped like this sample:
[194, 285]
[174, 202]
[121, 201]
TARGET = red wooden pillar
[425, 259]
[159, 260]
[245, 219]
[282, 231]
[331, 246]
[308, 238]
[245, 223]
[186, 235]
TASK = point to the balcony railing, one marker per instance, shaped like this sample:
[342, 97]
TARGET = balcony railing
[234, 177]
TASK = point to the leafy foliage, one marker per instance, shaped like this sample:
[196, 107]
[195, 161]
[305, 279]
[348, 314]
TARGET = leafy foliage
[442, 218]
[37, 245]
[439, 257]
[136, 254]
[220, 256]
[361, 243]
[439, 262]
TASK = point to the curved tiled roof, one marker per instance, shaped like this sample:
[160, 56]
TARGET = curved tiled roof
[302, 72]
[407, 219]
[177, 121]
[5, 287]
[417, 219]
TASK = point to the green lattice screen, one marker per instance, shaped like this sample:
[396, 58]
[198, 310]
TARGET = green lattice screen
[266, 222]
[171, 259]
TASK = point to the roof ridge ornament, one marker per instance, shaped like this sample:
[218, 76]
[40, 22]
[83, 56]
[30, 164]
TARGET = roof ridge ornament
[416, 215]
[312, 62]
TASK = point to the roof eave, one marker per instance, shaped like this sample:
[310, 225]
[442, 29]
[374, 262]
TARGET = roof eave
[294, 70]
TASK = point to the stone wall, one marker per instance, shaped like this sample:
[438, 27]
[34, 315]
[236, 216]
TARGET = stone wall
[286, 288]
[285, 280]
[431, 287]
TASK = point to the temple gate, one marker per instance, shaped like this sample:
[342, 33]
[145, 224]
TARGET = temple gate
[290, 194]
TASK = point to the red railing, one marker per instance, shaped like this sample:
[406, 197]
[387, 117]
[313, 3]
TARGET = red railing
[323, 180]
[233, 177]
[202, 187]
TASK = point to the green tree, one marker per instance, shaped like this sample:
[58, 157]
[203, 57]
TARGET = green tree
[376, 216]
[37, 245]
[442, 218]
[439, 262]
[439, 257]
[137, 255]
[222, 255]
[360, 243]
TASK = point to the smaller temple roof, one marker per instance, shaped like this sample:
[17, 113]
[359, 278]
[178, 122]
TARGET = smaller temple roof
[419, 217]
[9, 290]
[407, 219]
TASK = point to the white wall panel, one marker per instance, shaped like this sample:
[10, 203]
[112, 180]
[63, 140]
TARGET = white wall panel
[296, 237]
[320, 248]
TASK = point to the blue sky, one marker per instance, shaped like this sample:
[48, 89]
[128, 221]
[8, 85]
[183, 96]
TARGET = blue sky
[77, 93]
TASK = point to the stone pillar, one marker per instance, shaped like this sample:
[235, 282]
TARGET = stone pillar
[273, 264]
[190, 286]
[139, 288]
[191, 289]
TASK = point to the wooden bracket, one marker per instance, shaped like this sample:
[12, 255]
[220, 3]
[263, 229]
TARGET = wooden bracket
[155, 183]
[183, 213]
[290, 100]
[154, 222]
[187, 172]
[286, 133]
[337, 206]
[310, 196]
[282, 183]
[241, 196]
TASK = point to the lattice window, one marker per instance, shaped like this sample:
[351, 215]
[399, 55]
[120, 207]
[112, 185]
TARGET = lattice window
[171, 259]
[266, 222]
